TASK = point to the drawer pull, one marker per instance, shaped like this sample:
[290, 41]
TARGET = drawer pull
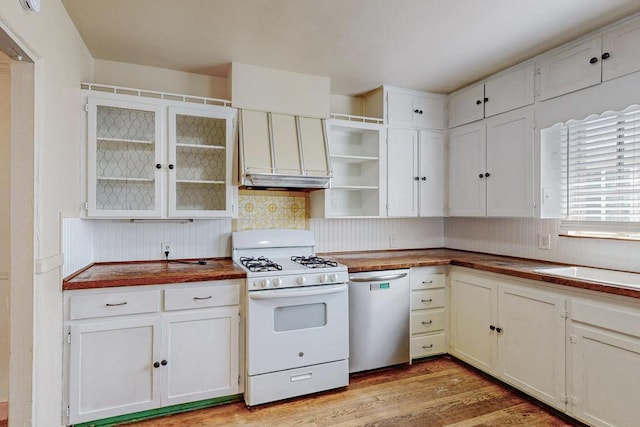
[428, 347]
[116, 305]
[427, 323]
[427, 301]
[202, 298]
[427, 282]
[301, 377]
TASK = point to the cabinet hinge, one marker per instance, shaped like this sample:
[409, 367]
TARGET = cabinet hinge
[85, 205]
[573, 339]
[238, 379]
[86, 107]
[564, 398]
[573, 401]
[68, 337]
[68, 411]
[564, 314]
[239, 318]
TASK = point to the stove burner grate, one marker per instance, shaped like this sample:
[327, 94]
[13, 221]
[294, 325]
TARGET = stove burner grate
[260, 264]
[314, 261]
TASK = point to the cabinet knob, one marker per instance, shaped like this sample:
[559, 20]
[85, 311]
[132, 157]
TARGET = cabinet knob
[593, 60]
[417, 178]
[481, 175]
[416, 111]
[486, 100]
[420, 112]
[156, 364]
[158, 166]
[487, 175]
[493, 328]
[499, 330]
[478, 102]
[171, 166]
[606, 55]
[164, 363]
[424, 178]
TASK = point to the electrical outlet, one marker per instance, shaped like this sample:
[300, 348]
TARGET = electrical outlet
[393, 241]
[166, 248]
[544, 241]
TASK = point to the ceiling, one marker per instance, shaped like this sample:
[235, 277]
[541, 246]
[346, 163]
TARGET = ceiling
[431, 45]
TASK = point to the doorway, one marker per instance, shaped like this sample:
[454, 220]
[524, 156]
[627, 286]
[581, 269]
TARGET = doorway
[16, 230]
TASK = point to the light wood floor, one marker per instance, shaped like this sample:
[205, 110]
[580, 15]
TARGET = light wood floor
[440, 392]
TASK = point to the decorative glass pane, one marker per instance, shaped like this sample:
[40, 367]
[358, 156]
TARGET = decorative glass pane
[198, 196]
[121, 123]
[200, 131]
[125, 195]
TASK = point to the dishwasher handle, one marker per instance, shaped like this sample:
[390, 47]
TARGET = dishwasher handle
[377, 278]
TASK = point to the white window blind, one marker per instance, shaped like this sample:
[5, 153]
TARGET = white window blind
[601, 171]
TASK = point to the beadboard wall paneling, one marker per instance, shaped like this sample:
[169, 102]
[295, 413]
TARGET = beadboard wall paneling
[77, 244]
[359, 234]
[519, 237]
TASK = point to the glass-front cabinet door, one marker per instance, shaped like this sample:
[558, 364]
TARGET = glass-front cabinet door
[199, 162]
[124, 159]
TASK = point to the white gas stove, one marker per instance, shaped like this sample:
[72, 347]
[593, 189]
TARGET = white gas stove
[297, 326]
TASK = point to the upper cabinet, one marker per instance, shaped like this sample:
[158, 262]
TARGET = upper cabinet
[149, 158]
[505, 92]
[358, 165]
[407, 108]
[491, 166]
[613, 54]
[415, 170]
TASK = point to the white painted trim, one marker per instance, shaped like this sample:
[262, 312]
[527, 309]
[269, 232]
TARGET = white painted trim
[45, 265]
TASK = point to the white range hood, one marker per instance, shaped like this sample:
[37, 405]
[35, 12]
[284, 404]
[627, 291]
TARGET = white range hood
[283, 151]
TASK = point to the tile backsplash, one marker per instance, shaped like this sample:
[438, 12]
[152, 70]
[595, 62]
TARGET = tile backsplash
[259, 209]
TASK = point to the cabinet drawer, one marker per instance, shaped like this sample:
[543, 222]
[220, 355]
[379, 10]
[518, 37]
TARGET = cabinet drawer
[421, 279]
[431, 298]
[427, 321]
[428, 345]
[113, 304]
[201, 296]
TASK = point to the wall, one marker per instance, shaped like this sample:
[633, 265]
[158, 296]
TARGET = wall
[62, 61]
[159, 79]
[352, 105]
[518, 237]
[5, 154]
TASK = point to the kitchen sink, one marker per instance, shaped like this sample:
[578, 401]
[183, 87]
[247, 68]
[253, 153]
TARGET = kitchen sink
[620, 279]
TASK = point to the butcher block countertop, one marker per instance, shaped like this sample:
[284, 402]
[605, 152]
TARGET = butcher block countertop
[103, 275]
[111, 274]
[518, 267]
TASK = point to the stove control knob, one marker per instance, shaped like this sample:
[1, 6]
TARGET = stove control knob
[301, 280]
[277, 282]
[323, 278]
[265, 283]
[334, 277]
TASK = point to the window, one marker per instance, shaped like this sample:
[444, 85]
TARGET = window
[601, 175]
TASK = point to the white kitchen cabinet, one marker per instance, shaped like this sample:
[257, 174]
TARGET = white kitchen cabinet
[510, 331]
[415, 173]
[153, 158]
[358, 163]
[407, 108]
[428, 312]
[491, 166]
[128, 353]
[604, 363]
[604, 57]
[111, 367]
[505, 92]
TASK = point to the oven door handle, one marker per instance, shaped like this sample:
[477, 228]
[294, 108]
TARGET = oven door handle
[377, 278]
[306, 292]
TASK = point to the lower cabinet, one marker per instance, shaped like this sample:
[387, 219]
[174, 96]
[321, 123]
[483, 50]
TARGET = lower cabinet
[428, 312]
[123, 357]
[511, 331]
[604, 359]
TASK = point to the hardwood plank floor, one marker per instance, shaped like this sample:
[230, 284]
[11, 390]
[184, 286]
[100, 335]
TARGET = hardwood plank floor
[437, 392]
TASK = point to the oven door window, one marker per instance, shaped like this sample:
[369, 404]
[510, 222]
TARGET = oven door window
[296, 317]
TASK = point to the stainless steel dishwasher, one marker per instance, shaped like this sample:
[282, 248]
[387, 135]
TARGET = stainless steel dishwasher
[378, 319]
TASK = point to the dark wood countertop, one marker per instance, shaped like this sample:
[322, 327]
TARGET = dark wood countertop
[102, 275]
[112, 274]
[518, 267]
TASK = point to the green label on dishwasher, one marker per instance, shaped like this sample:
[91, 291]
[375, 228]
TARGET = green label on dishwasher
[378, 286]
